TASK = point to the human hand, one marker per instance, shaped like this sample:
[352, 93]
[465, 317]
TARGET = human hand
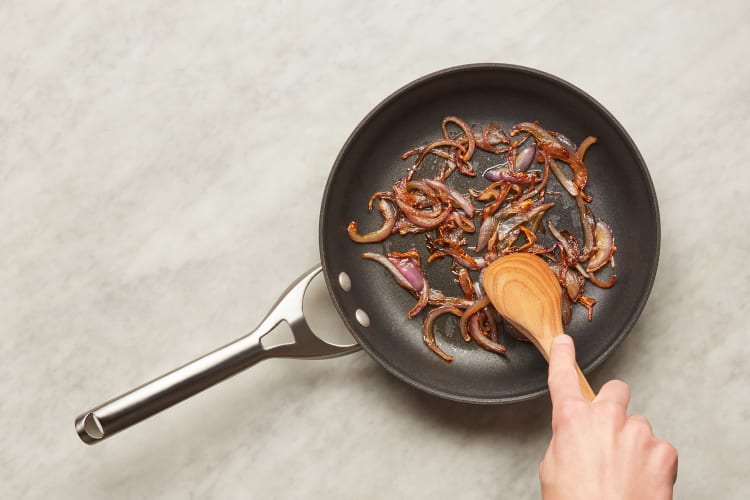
[597, 451]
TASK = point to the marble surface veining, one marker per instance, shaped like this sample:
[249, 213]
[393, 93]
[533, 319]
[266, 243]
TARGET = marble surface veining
[161, 170]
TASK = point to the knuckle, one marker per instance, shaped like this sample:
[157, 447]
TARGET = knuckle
[568, 412]
[640, 425]
[667, 452]
[561, 373]
[610, 408]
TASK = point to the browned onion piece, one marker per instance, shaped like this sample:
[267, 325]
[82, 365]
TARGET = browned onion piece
[464, 323]
[569, 279]
[566, 309]
[491, 323]
[467, 133]
[565, 181]
[438, 298]
[463, 222]
[603, 284]
[585, 144]
[475, 332]
[486, 230]
[587, 225]
[464, 281]
[428, 334]
[588, 303]
[461, 258]
[506, 226]
[450, 195]
[547, 143]
[423, 300]
[436, 144]
[605, 246]
[422, 218]
[562, 139]
[389, 221]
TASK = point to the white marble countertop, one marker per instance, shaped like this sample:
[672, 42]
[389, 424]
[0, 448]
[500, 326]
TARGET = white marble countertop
[140, 143]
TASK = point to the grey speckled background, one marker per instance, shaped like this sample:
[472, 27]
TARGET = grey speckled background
[144, 148]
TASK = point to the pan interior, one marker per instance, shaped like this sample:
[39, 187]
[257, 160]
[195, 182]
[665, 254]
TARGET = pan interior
[371, 161]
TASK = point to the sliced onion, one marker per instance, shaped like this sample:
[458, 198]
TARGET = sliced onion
[449, 195]
[428, 334]
[463, 222]
[603, 284]
[505, 227]
[525, 157]
[438, 298]
[492, 174]
[587, 225]
[569, 279]
[585, 144]
[605, 246]
[484, 342]
[390, 214]
[468, 313]
[467, 133]
[569, 145]
[486, 230]
[395, 272]
[547, 143]
[409, 266]
[423, 218]
[566, 309]
[423, 300]
[465, 260]
[565, 181]
[464, 281]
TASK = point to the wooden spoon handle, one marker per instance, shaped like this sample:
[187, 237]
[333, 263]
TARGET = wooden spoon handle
[586, 389]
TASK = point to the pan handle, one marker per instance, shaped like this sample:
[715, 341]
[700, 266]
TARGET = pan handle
[132, 407]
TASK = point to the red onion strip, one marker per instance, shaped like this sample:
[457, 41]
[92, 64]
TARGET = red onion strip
[428, 334]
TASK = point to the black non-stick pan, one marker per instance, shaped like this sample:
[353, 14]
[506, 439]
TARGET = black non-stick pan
[374, 308]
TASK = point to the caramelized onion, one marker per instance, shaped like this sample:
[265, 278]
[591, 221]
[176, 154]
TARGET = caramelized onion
[605, 246]
[428, 335]
[389, 221]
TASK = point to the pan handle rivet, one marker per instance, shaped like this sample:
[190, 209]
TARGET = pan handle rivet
[362, 317]
[345, 282]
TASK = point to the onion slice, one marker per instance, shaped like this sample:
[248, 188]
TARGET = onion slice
[395, 272]
[547, 143]
[449, 195]
[588, 224]
[428, 334]
[605, 246]
[484, 342]
[390, 214]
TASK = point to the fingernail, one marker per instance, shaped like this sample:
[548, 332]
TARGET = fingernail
[563, 339]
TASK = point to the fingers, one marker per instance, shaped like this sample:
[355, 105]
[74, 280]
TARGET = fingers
[616, 392]
[563, 378]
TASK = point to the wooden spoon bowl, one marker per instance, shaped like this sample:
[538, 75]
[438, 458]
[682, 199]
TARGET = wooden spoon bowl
[525, 291]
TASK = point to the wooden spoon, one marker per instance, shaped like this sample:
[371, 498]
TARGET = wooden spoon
[525, 292]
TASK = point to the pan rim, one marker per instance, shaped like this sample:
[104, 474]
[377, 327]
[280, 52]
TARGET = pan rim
[508, 68]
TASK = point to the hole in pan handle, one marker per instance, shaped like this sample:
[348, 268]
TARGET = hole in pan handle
[159, 394]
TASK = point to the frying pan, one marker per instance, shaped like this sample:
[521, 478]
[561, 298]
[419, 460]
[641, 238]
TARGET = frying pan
[371, 304]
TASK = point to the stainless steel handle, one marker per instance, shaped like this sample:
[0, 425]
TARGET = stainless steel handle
[132, 407]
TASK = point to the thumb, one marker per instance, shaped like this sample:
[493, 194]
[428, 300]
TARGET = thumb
[563, 377]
